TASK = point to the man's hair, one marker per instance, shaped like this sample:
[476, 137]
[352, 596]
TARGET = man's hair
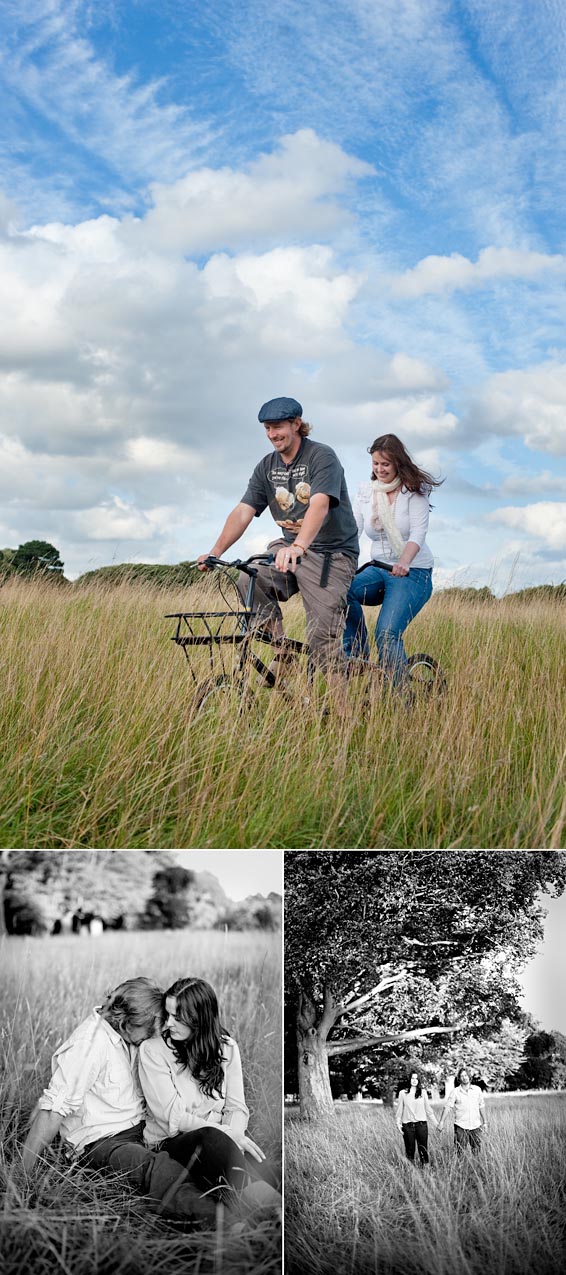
[458, 1076]
[136, 1003]
[304, 428]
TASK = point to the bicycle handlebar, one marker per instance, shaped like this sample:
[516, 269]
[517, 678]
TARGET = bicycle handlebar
[242, 564]
[386, 566]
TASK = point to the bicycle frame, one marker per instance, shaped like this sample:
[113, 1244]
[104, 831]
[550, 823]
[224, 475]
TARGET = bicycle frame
[213, 622]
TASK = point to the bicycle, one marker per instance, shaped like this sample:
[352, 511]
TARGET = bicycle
[217, 630]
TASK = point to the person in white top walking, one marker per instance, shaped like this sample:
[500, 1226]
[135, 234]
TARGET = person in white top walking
[192, 1080]
[393, 510]
[467, 1103]
[412, 1113]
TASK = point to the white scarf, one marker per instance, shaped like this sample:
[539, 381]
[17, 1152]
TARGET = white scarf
[383, 513]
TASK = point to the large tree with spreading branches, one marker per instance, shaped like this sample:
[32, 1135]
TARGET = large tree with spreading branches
[388, 947]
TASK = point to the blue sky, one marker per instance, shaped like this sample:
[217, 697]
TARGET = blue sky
[359, 203]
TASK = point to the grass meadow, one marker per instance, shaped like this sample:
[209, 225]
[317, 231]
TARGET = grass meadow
[65, 1220]
[101, 749]
[355, 1206]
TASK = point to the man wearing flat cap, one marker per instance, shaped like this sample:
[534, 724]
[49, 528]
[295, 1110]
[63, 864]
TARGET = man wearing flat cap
[316, 553]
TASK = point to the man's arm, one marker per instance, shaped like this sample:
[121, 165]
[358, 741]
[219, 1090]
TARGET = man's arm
[45, 1126]
[236, 523]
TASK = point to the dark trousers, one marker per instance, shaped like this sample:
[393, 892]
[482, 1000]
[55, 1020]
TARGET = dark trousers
[415, 1133]
[211, 1158]
[97, 1154]
[166, 1185]
[467, 1138]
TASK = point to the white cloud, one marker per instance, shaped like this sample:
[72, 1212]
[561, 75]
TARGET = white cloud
[529, 403]
[446, 274]
[522, 484]
[115, 520]
[545, 520]
[282, 195]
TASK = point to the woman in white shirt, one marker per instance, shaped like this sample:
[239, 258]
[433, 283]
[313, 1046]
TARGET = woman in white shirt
[192, 1083]
[393, 510]
[413, 1112]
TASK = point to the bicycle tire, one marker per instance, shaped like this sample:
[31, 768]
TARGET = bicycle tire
[210, 691]
[207, 692]
[425, 674]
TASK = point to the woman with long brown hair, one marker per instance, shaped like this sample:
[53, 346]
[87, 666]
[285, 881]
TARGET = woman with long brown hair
[393, 510]
[192, 1081]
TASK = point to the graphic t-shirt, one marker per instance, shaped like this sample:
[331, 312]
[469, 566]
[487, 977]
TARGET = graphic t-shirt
[287, 490]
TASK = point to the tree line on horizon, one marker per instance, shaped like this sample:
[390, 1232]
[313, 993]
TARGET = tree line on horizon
[59, 891]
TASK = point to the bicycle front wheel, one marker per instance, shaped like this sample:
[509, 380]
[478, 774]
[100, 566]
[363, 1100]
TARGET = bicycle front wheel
[425, 675]
[210, 693]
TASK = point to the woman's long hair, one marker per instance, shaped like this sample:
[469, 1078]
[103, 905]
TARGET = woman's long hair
[412, 476]
[405, 1084]
[201, 1054]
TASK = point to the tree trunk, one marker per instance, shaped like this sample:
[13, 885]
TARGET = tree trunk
[315, 1093]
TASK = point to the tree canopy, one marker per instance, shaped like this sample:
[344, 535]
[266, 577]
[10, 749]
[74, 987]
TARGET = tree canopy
[36, 556]
[385, 946]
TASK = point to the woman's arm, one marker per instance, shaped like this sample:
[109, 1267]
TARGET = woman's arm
[165, 1101]
[235, 1114]
[399, 1111]
[448, 1105]
[418, 510]
[428, 1110]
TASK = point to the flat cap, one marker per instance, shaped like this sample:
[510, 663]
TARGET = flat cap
[279, 409]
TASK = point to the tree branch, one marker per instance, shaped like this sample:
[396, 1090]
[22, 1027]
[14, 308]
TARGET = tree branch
[392, 1038]
[385, 983]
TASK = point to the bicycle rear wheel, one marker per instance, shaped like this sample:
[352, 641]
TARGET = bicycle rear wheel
[425, 675]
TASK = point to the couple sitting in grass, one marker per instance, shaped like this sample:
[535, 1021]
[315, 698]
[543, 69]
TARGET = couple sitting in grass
[150, 1086]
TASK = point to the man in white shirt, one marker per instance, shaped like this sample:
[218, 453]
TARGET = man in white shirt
[467, 1103]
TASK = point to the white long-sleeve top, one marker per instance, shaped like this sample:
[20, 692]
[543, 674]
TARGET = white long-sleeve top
[467, 1104]
[411, 513]
[409, 1108]
[175, 1101]
[93, 1084]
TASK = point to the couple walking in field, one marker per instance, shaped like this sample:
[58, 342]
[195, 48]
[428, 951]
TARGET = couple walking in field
[150, 1086]
[414, 1113]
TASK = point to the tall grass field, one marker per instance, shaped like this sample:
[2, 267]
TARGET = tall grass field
[102, 750]
[72, 1222]
[355, 1206]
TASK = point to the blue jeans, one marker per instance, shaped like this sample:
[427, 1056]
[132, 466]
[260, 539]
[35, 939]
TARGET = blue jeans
[401, 598]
